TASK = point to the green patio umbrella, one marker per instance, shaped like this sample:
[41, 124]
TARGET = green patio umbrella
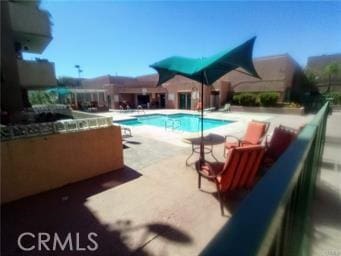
[60, 91]
[207, 70]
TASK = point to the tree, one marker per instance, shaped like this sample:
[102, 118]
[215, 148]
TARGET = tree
[311, 78]
[331, 70]
[42, 97]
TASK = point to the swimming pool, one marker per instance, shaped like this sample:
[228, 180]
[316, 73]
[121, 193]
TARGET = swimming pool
[181, 122]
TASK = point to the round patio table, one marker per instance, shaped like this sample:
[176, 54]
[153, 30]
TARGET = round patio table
[209, 141]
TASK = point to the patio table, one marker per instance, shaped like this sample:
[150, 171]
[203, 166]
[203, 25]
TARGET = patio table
[209, 141]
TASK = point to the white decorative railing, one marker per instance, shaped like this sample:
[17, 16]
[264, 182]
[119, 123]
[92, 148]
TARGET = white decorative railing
[42, 108]
[61, 126]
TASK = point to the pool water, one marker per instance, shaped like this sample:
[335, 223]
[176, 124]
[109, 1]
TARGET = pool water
[181, 122]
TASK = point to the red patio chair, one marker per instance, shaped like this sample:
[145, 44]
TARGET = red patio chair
[238, 171]
[254, 135]
[280, 141]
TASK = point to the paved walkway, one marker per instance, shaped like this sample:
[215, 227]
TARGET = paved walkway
[151, 207]
[326, 215]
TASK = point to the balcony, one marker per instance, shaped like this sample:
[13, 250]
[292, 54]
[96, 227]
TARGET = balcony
[30, 26]
[36, 74]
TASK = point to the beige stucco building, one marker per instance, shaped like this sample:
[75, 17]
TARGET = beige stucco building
[279, 74]
[179, 92]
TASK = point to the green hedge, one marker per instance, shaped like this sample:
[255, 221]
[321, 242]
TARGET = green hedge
[236, 99]
[265, 99]
[268, 99]
[248, 99]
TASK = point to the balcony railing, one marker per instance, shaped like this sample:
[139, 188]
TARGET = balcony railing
[31, 26]
[274, 218]
[36, 74]
[61, 126]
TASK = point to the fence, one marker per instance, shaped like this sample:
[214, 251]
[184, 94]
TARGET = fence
[61, 126]
[274, 218]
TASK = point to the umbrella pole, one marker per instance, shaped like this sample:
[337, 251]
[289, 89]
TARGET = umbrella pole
[202, 152]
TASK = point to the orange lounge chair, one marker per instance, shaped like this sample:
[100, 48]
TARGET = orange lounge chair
[254, 135]
[238, 171]
[280, 141]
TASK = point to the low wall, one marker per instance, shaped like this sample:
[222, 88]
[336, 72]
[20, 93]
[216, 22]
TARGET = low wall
[293, 111]
[33, 165]
[81, 114]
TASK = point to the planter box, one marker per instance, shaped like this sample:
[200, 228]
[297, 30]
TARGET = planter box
[275, 110]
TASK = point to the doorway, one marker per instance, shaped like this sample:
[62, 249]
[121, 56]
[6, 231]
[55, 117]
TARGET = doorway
[162, 100]
[184, 100]
[143, 100]
[109, 101]
[214, 99]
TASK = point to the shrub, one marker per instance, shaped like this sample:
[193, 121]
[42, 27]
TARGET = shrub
[236, 99]
[267, 99]
[248, 99]
[294, 105]
[42, 97]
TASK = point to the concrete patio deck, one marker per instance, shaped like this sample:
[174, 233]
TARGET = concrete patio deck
[151, 207]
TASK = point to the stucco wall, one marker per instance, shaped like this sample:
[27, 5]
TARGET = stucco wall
[176, 88]
[34, 74]
[171, 89]
[224, 88]
[129, 98]
[33, 165]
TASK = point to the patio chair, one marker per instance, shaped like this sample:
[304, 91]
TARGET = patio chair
[226, 108]
[239, 170]
[121, 108]
[280, 140]
[140, 109]
[254, 135]
[126, 131]
[211, 109]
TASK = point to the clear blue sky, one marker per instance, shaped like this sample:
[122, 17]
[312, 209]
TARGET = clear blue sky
[124, 38]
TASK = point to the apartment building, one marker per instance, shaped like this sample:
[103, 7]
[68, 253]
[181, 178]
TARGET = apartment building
[279, 74]
[24, 28]
[39, 150]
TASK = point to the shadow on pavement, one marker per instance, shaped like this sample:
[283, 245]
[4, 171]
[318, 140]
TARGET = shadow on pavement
[63, 211]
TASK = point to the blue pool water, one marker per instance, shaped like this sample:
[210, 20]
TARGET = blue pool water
[181, 122]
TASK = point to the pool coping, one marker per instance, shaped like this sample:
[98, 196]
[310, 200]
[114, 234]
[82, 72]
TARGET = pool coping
[116, 122]
[176, 137]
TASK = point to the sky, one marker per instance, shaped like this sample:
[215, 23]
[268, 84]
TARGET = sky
[124, 38]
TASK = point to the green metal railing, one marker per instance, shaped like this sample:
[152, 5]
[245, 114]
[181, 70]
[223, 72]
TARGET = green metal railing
[274, 218]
